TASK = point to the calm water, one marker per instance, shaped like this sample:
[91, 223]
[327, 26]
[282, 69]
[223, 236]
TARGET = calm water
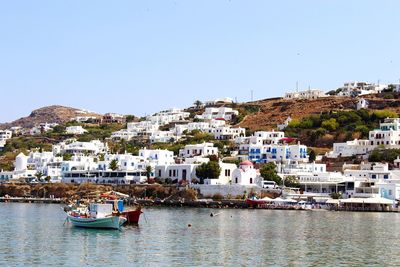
[34, 235]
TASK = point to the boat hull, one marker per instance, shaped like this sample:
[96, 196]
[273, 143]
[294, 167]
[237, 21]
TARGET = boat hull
[111, 222]
[255, 202]
[132, 216]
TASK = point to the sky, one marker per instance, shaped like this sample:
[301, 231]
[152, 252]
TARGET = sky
[139, 57]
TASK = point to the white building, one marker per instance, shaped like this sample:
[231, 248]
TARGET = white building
[179, 129]
[227, 133]
[350, 148]
[285, 124]
[223, 100]
[93, 147]
[246, 174]
[307, 94]
[278, 153]
[161, 157]
[362, 104]
[75, 130]
[218, 113]
[42, 128]
[187, 172]
[388, 135]
[163, 137]
[356, 88]
[4, 136]
[168, 116]
[21, 170]
[198, 150]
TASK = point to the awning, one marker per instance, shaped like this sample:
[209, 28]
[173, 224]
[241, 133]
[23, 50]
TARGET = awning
[284, 200]
[332, 201]
[371, 200]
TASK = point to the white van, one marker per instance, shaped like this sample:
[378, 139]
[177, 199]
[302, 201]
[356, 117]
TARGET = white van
[268, 184]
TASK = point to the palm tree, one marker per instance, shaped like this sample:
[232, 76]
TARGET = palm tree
[113, 165]
[149, 170]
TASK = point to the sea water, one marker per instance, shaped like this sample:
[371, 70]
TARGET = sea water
[36, 235]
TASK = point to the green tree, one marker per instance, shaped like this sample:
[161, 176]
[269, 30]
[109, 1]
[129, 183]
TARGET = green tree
[209, 170]
[312, 156]
[268, 172]
[149, 171]
[292, 181]
[330, 125]
[113, 164]
[130, 118]
[67, 157]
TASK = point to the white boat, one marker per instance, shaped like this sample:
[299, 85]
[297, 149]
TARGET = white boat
[96, 216]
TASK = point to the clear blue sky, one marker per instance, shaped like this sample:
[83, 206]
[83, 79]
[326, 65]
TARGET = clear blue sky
[137, 57]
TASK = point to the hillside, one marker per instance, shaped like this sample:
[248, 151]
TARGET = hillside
[50, 114]
[275, 111]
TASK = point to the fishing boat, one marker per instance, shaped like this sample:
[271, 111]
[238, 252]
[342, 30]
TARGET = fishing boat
[132, 215]
[255, 201]
[95, 216]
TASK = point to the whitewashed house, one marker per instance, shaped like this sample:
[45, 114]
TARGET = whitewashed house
[227, 133]
[93, 147]
[278, 153]
[42, 128]
[285, 124]
[362, 104]
[307, 94]
[198, 150]
[218, 113]
[357, 88]
[4, 136]
[77, 130]
[159, 156]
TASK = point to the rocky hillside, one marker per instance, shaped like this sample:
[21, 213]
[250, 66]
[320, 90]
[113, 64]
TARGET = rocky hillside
[275, 111]
[50, 114]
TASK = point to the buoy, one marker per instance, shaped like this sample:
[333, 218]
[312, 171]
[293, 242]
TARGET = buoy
[212, 214]
[189, 225]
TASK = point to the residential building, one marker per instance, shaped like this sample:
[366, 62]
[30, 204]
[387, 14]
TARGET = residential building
[198, 150]
[227, 133]
[113, 118]
[225, 113]
[42, 128]
[278, 153]
[307, 94]
[77, 130]
[93, 147]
